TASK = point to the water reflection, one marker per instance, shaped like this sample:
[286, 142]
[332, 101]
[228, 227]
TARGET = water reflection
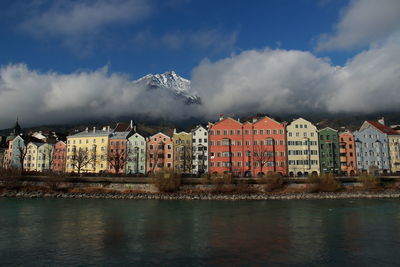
[110, 232]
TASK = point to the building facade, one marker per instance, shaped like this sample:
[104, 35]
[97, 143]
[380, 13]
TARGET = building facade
[16, 152]
[347, 152]
[117, 152]
[303, 150]
[183, 161]
[393, 138]
[87, 151]
[329, 150]
[60, 156]
[200, 150]
[269, 147]
[226, 150]
[136, 148]
[160, 153]
[394, 150]
[372, 150]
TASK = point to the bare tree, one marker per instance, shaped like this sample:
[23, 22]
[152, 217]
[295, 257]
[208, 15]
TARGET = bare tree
[155, 156]
[262, 154]
[82, 158]
[48, 155]
[22, 154]
[187, 159]
[117, 159]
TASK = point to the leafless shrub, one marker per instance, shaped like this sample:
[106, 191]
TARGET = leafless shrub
[272, 182]
[166, 181]
[370, 182]
[322, 183]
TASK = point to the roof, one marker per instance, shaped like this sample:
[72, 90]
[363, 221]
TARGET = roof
[327, 128]
[91, 133]
[119, 135]
[224, 119]
[198, 127]
[123, 127]
[159, 133]
[383, 128]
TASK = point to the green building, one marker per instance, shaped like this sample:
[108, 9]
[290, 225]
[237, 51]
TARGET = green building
[329, 150]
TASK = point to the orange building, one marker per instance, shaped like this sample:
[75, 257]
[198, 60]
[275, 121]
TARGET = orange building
[250, 148]
[269, 143]
[60, 156]
[160, 153]
[226, 147]
[347, 153]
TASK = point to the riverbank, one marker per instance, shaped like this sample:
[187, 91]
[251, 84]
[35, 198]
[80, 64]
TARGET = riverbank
[101, 194]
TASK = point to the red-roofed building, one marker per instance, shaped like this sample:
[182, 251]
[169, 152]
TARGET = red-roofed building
[393, 139]
[249, 148]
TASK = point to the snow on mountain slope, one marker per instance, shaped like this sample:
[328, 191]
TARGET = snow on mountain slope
[177, 85]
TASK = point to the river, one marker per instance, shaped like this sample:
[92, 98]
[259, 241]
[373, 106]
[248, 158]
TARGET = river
[90, 232]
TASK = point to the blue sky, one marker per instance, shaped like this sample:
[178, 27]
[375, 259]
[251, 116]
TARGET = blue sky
[165, 37]
[64, 60]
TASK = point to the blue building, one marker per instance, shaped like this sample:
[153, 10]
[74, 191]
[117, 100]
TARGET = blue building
[372, 150]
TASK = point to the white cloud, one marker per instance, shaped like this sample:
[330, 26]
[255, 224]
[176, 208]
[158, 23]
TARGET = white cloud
[44, 98]
[79, 24]
[282, 81]
[362, 23]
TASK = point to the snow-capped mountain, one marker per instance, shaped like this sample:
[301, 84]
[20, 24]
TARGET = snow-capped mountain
[177, 85]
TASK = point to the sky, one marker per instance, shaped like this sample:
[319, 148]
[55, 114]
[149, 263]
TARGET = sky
[65, 60]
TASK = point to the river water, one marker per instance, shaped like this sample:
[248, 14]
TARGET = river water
[73, 232]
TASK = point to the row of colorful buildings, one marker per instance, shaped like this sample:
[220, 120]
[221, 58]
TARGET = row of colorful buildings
[256, 147]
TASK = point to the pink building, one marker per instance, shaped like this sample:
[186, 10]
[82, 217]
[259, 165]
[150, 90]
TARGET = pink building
[60, 156]
[159, 153]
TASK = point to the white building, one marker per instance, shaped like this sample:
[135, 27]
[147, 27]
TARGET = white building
[200, 150]
[302, 146]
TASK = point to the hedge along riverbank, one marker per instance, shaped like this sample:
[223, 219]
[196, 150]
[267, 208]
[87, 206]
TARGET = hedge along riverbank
[214, 188]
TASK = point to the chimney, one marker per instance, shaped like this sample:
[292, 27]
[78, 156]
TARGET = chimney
[104, 128]
[94, 129]
[254, 119]
[134, 128]
[108, 128]
[174, 130]
[86, 129]
[221, 117]
[382, 120]
[131, 124]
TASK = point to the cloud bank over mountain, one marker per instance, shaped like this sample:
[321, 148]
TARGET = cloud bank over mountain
[286, 81]
[51, 97]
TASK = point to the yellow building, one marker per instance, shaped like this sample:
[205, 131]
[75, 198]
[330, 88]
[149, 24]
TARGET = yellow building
[302, 146]
[394, 151]
[87, 151]
[182, 152]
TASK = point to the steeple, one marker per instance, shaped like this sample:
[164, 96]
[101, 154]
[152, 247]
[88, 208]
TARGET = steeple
[16, 129]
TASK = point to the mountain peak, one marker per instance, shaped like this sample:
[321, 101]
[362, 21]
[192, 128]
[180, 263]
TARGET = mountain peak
[179, 86]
